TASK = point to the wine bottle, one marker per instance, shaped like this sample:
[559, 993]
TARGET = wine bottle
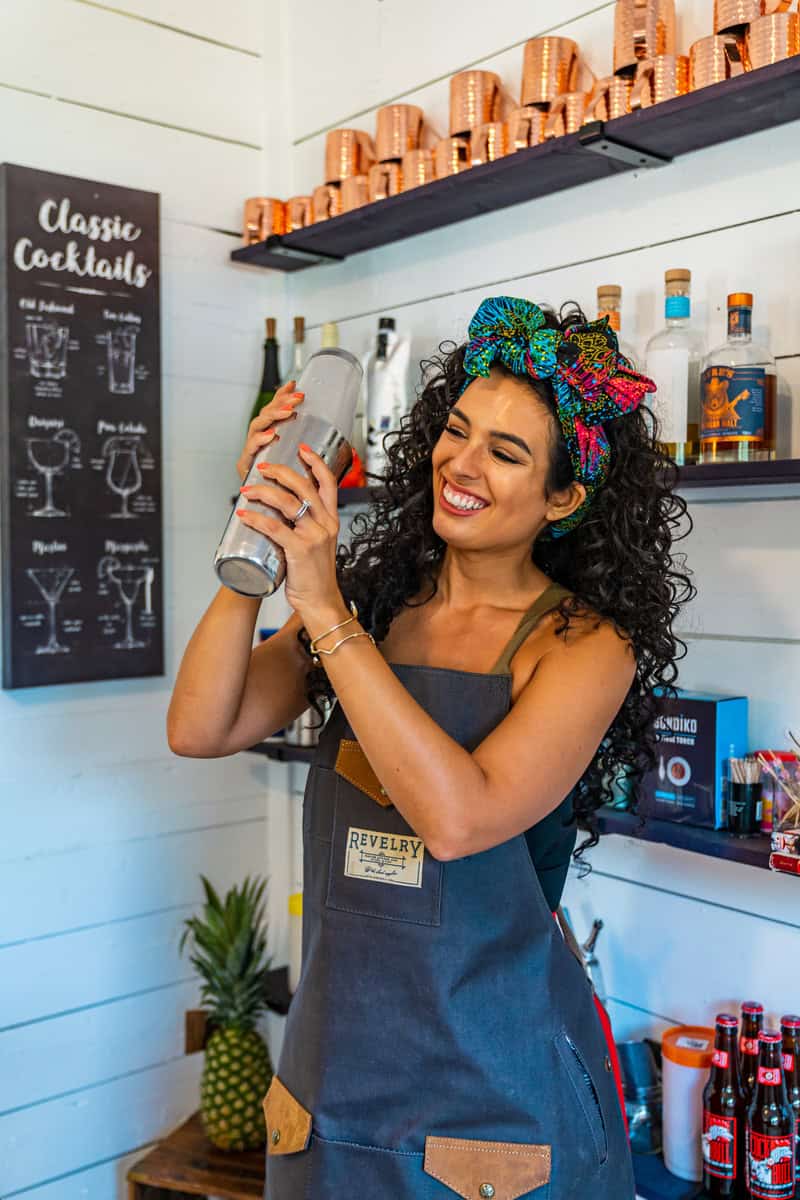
[270, 378]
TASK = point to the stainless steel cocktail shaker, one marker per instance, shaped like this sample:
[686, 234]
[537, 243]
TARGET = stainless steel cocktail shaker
[246, 560]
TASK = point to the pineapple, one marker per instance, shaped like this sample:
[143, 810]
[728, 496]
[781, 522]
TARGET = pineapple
[229, 949]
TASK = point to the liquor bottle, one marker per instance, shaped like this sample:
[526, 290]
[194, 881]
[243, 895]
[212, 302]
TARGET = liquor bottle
[739, 390]
[270, 378]
[790, 1056]
[752, 1024]
[299, 348]
[330, 335]
[609, 304]
[724, 1116]
[770, 1128]
[674, 361]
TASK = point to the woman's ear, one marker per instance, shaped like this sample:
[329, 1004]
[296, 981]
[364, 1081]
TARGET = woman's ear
[563, 504]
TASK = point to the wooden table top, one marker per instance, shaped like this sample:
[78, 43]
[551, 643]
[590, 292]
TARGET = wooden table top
[187, 1161]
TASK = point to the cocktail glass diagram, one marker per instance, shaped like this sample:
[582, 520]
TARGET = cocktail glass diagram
[50, 455]
[121, 344]
[51, 582]
[123, 473]
[128, 580]
[47, 349]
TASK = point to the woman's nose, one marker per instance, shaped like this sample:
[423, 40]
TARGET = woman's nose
[466, 460]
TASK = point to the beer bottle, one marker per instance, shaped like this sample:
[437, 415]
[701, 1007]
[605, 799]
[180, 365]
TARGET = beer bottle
[752, 1024]
[790, 1028]
[770, 1127]
[724, 1116]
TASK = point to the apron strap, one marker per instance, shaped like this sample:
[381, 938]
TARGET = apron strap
[549, 599]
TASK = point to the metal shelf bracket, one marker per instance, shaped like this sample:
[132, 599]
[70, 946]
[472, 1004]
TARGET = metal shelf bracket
[595, 138]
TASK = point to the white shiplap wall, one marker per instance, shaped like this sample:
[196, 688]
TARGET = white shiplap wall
[104, 831]
[730, 215]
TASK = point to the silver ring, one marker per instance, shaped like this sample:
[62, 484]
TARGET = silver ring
[301, 512]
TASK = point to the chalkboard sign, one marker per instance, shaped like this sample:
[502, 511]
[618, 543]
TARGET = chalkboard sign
[80, 422]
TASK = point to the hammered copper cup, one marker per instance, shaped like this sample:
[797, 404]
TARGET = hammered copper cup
[772, 38]
[451, 156]
[489, 142]
[417, 167]
[660, 78]
[567, 114]
[263, 216]
[642, 29]
[384, 179]
[398, 129]
[708, 62]
[610, 98]
[326, 201]
[347, 152]
[550, 66]
[474, 100]
[526, 127]
[355, 192]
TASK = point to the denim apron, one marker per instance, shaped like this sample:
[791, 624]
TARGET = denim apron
[443, 1039]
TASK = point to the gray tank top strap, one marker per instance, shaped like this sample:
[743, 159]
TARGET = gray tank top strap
[549, 599]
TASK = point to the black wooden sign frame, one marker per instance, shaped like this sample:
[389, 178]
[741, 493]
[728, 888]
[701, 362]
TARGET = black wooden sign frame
[80, 430]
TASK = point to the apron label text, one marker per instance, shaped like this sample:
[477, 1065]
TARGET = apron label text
[384, 857]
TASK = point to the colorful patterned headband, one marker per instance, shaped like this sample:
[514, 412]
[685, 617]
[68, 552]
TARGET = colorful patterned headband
[592, 382]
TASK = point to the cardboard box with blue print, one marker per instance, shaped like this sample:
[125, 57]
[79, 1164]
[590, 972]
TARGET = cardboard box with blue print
[697, 733]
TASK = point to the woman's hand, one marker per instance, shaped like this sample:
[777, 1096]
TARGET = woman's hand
[260, 433]
[310, 545]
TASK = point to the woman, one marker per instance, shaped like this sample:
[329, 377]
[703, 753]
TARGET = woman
[493, 635]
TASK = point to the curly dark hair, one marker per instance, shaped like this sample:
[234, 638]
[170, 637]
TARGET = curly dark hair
[618, 561]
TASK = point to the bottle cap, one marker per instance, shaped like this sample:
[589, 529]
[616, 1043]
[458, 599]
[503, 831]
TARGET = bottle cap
[608, 294]
[790, 1022]
[679, 274]
[330, 335]
[299, 329]
[769, 1036]
[688, 1045]
[752, 1006]
[727, 1020]
[272, 325]
[386, 323]
[740, 300]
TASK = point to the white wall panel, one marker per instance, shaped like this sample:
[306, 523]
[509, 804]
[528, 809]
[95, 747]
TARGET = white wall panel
[236, 23]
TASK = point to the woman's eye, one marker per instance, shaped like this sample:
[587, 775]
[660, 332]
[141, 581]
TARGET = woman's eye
[498, 453]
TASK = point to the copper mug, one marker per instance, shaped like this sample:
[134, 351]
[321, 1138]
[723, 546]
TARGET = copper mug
[298, 212]
[475, 98]
[355, 192]
[398, 129]
[643, 29]
[610, 98]
[417, 168]
[347, 152]
[709, 62]
[489, 142]
[550, 67]
[526, 127]
[733, 16]
[771, 38]
[451, 156]
[567, 114]
[263, 216]
[326, 201]
[384, 179]
[660, 78]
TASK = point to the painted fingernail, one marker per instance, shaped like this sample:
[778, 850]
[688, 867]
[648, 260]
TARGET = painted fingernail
[246, 489]
[241, 512]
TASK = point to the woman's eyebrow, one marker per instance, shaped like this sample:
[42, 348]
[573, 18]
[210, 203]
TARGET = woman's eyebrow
[509, 437]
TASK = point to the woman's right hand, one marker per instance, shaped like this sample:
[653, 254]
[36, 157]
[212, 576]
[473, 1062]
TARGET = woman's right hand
[280, 408]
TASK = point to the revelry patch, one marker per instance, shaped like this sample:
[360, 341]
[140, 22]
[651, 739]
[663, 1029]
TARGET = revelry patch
[384, 857]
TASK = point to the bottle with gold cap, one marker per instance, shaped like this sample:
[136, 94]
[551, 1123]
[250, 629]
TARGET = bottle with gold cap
[739, 391]
[609, 304]
[299, 348]
[270, 377]
[674, 361]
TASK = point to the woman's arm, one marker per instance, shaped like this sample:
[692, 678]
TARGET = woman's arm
[458, 802]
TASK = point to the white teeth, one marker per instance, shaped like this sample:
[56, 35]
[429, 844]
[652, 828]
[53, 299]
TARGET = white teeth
[458, 500]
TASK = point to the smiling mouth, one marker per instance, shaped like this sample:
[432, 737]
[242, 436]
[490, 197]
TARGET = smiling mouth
[453, 500]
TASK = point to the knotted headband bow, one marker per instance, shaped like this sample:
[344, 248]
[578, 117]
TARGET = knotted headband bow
[592, 382]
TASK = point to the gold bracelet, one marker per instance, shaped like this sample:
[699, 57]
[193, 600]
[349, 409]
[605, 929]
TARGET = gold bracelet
[341, 642]
[313, 644]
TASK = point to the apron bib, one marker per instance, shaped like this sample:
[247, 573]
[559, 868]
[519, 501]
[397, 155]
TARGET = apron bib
[443, 1040]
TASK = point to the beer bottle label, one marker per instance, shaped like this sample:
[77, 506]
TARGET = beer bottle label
[719, 1144]
[733, 404]
[788, 1062]
[769, 1075]
[720, 1058]
[771, 1166]
[748, 1045]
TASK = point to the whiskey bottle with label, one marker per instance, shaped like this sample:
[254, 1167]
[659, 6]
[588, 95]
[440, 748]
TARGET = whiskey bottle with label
[609, 304]
[674, 361]
[739, 390]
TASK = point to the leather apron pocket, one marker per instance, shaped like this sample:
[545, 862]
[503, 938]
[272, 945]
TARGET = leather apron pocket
[495, 1170]
[378, 865]
[288, 1123]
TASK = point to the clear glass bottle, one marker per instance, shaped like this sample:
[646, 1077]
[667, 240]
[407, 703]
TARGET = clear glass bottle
[299, 348]
[739, 391]
[330, 335]
[674, 361]
[609, 304]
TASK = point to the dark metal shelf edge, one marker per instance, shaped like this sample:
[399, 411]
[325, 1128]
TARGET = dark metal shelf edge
[716, 843]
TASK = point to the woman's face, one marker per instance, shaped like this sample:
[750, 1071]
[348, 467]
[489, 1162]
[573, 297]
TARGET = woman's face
[490, 466]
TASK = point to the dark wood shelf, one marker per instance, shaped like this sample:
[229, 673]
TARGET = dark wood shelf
[643, 139]
[741, 474]
[716, 843]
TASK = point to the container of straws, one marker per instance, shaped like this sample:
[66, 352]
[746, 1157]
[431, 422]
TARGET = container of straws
[744, 796]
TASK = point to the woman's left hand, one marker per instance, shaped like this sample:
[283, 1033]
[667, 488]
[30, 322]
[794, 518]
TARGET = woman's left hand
[310, 545]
